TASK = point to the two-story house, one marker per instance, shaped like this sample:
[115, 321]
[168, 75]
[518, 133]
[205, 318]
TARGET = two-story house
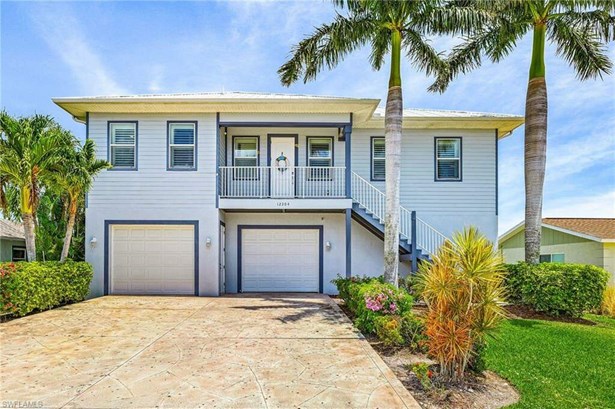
[229, 192]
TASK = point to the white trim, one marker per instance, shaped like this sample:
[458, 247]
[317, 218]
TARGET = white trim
[516, 229]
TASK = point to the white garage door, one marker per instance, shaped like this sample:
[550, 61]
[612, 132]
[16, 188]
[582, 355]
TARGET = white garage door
[284, 260]
[152, 259]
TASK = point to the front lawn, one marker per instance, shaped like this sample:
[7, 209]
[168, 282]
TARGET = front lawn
[557, 365]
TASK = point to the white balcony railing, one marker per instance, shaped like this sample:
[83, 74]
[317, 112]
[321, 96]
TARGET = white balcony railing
[273, 182]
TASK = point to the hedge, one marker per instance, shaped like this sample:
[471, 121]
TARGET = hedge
[556, 288]
[37, 286]
[381, 309]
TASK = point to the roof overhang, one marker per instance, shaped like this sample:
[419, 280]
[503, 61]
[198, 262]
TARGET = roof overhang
[521, 226]
[362, 109]
[504, 124]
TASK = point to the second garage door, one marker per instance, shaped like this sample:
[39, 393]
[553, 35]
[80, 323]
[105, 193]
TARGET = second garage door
[152, 259]
[280, 260]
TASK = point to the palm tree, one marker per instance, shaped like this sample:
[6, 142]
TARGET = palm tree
[29, 152]
[388, 27]
[73, 179]
[579, 29]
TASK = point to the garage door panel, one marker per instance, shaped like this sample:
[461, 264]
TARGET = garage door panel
[280, 260]
[152, 259]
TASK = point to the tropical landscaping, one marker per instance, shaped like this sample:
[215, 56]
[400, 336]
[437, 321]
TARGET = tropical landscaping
[442, 329]
[45, 173]
[466, 328]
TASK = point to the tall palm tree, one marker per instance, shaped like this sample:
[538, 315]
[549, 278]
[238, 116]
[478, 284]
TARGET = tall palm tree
[73, 179]
[29, 153]
[387, 27]
[579, 29]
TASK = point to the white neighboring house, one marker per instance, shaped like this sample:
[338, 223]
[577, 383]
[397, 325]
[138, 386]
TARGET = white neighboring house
[230, 192]
[12, 241]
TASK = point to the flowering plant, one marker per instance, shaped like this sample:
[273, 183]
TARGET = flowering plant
[383, 302]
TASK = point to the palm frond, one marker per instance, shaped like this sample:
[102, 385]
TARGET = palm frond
[422, 54]
[599, 22]
[326, 47]
[581, 48]
[381, 45]
[496, 42]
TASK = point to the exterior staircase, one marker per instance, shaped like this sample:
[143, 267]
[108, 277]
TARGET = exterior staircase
[417, 239]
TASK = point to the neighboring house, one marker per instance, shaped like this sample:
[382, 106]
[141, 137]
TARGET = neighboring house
[567, 240]
[232, 192]
[12, 241]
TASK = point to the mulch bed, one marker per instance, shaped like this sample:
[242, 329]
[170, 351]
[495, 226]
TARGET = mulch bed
[522, 311]
[486, 391]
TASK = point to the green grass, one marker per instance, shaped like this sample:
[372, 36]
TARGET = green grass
[557, 365]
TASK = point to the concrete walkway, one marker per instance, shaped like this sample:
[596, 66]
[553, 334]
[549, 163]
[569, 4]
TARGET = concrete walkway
[250, 351]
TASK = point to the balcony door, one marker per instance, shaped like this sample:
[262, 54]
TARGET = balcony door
[282, 157]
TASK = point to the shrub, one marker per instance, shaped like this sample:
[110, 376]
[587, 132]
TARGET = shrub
[388, 330]
[557, 288]
[373, 299]
[608, 302]
[462, 288]
[369, 298]
[32, 286]
[409, 283]
[343, 284]
[413, 331]
[423, 374]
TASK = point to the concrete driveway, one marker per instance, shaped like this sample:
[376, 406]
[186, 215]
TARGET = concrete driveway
[270, 351]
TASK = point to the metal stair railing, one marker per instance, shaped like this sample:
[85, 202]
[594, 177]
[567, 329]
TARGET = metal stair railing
[369, 197]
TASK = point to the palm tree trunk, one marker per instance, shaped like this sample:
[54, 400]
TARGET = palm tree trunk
[28, 226]
[535, 146]
[393, 130]
[70, 226]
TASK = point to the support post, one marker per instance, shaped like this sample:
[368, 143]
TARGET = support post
[348, 158]
[348, 243]
[414, 254]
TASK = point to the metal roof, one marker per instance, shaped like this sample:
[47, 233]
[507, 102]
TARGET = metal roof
[366, 113]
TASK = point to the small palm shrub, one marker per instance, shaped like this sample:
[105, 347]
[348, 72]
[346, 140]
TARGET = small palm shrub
[608, 302]
[462, 287]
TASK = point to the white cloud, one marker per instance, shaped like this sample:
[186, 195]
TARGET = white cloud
[64, 35]
[600, 205]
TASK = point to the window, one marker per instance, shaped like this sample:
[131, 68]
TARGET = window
[448, 159]
[319, 155]
[245, 154]
[19, 253]
[182, 146]
[378, 158]
[123, 145]
[552, 258]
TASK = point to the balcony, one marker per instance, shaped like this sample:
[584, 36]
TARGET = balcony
[269, 182]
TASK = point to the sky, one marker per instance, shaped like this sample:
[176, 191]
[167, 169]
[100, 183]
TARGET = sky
[54, 49]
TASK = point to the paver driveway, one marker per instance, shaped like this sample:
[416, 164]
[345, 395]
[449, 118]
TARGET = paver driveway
[252, 351]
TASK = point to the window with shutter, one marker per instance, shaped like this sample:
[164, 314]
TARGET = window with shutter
[448, 159]
[320, 155]
[182, 145]
[123, 145]
[378, 158]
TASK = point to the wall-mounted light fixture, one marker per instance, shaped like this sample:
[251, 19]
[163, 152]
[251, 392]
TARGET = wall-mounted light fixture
[328, 245]
[93, 242]
[208, 242]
